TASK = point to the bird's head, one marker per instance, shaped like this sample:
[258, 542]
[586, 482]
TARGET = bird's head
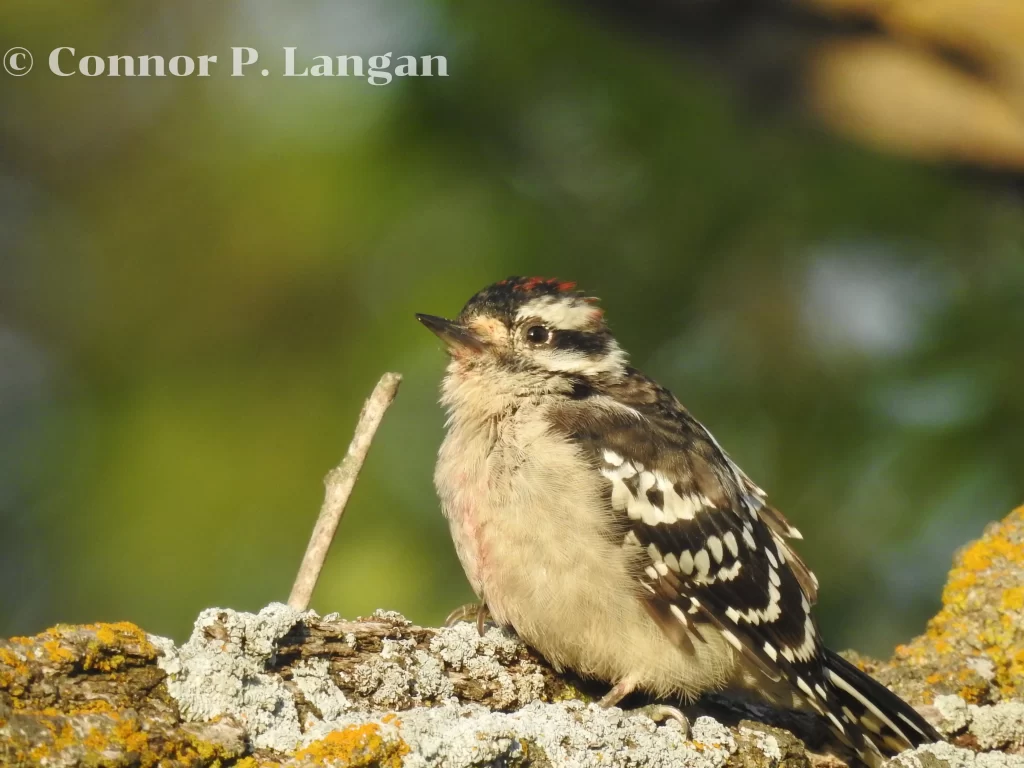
[527, 336]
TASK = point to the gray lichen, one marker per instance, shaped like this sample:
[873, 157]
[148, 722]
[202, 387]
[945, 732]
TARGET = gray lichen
[765, 742]
[229, 667]
[223, 670]
[296, 690]
[312, 677]
[562, 735]
[996, 726]
[486, 658]
[948, 756]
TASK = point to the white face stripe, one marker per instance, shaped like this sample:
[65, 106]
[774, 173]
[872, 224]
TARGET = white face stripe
[570, 313]
[574, 361]
[561, 312]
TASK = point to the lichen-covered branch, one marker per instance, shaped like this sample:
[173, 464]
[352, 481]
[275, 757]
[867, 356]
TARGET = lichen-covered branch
[288, 688]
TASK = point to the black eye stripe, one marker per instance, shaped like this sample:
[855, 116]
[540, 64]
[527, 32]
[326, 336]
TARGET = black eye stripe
[586, 342]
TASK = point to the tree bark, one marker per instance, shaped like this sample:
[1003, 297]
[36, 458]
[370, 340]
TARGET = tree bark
[284, 687]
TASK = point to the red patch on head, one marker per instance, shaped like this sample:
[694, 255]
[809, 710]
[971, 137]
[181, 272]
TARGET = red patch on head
[535, 282]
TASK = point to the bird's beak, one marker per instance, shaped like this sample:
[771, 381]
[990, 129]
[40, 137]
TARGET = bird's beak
[455, 336]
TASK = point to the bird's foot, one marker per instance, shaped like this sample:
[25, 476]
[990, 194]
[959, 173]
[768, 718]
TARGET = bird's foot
[659, 713]
[470, 612]
[662, 713]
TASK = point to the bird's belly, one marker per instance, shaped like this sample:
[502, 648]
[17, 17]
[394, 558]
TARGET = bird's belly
[543, 549]
[575, 600]
[564, 596]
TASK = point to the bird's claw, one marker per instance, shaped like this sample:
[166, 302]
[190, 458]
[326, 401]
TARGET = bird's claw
[661, 713]
[470, 612]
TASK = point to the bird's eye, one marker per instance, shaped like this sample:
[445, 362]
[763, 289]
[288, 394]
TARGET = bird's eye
[537, 334]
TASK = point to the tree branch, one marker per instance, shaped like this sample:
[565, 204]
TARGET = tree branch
[339, 483]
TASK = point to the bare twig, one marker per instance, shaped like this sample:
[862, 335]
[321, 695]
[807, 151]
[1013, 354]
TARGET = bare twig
[339, 483]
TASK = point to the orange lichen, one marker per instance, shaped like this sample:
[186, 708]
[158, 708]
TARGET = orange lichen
[359, 745]
[90, 730]
[56, 653]
[252, 762]
[106, 653]
[93, 732]
[1013, 600]
[980, 607]
[95, 739]
[129, 732]
[94, 707]
[63, 737]
[14, 673]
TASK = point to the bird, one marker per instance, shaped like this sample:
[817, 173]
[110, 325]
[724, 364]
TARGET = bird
[599, 520]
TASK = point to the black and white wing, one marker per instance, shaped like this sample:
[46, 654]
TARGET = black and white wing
[711, 559]
[715, 558]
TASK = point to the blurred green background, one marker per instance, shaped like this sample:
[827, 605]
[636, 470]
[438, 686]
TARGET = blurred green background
[201, 279]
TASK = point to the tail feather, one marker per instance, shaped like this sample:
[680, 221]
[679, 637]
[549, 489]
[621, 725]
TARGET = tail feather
[885, 724]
